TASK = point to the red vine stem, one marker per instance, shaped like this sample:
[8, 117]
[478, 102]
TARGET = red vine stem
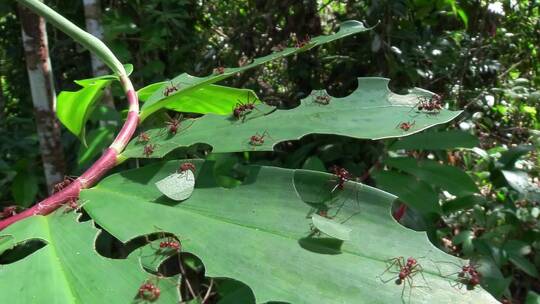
[108, 160]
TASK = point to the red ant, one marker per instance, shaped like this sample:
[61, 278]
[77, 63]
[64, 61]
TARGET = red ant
[8, 211]
[63, 184]
[71, 205]
[405, 126]
[257, 140]
[149, 150]
[241, 110]
[323, 99]
[187, 166]
[432, 105]
[173, 125]
[149, 292]
[302, 43]
[468, 276]
[171, 245]
[405, 271]
[219, 70]
[143, 138]
[343, 176]
[170, 89]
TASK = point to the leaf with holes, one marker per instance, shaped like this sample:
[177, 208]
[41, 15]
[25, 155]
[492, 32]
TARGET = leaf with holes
[259, 233]
[213, 99]
[186, 83]
[370, 112]
[67, 269]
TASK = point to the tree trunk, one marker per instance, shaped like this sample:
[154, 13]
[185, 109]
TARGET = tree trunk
[92, 14]
[39, 70]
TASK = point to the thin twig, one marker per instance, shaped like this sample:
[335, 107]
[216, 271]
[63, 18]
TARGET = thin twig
[207, 295]
[182, 270]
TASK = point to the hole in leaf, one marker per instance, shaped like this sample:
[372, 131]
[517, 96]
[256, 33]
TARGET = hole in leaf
[109, 246]
[21, 251]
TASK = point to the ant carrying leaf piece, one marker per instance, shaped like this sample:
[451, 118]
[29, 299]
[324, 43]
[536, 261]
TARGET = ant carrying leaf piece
[404, 272]
[180, 185]
[219, 70]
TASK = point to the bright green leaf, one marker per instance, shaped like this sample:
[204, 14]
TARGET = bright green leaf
[213, 99]
[74, 108]
[98, 139]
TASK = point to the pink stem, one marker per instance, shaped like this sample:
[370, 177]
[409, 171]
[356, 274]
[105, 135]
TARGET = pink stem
[95, 172]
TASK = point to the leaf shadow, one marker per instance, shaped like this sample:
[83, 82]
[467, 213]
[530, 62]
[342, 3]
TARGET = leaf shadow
[322, 245]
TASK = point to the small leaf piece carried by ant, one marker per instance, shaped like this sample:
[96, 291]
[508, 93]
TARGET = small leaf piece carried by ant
[177, 186]
[331, 227]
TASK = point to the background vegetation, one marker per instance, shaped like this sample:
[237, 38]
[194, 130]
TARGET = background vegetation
[481, 56]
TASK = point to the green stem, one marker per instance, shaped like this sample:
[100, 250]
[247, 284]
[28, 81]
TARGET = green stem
[89, 41]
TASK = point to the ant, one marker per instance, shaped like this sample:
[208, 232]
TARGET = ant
[257, 140]
[148, 291]
[343, 176]
[468, 276]
[63, 184]
[278, 48]
[219, 70]
[170, 89]
[405, 270]
[71, 205]
[143, 138]
[187, 166]
[241, 110]
[173, 125]
[431, 105]
[244, 60]
[302, 43]
[323, 99]
[8, 211]
[405, 126]
[149, 150]
[170, 244]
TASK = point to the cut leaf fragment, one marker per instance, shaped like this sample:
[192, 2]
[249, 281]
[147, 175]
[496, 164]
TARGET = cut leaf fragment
[331, 228]
[177, 186]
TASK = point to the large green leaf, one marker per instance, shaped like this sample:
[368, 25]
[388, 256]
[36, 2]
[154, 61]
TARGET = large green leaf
[187, 83]
[370, 112]
[258, 232]
[212, 98]
[447, 177]
[67, 269]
